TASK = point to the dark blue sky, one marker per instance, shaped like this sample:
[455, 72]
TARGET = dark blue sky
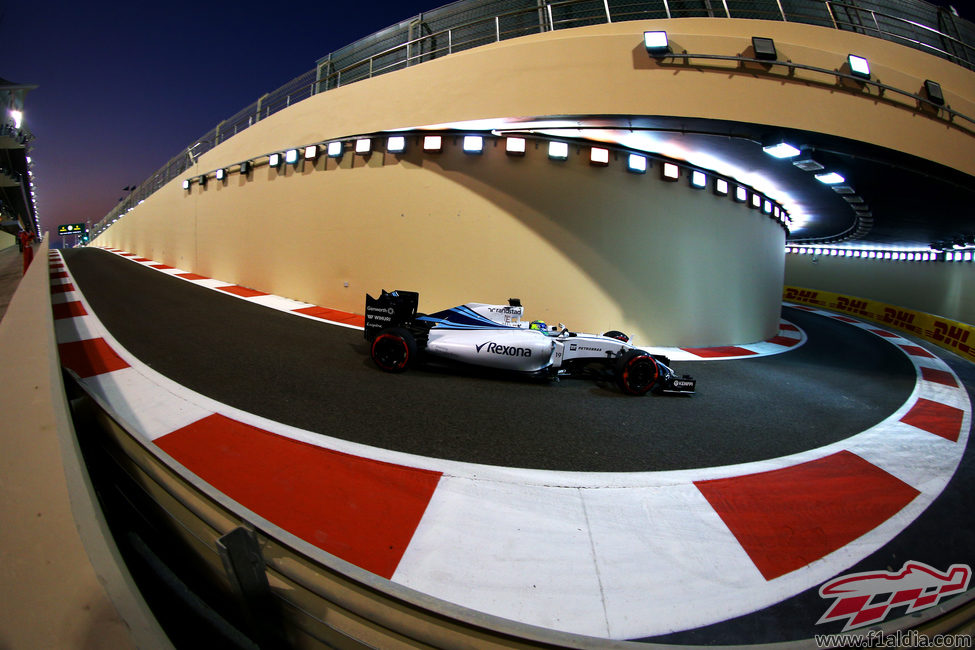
[124, 86]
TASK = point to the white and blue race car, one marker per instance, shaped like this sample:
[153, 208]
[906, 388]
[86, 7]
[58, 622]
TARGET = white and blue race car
[495, 337]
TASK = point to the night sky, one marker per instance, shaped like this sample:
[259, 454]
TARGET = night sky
[125, 86]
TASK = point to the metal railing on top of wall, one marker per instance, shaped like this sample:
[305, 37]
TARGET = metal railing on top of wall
[467, 24]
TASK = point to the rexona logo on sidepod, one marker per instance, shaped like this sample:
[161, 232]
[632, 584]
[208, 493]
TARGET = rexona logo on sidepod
[866, 598]
[506, 350]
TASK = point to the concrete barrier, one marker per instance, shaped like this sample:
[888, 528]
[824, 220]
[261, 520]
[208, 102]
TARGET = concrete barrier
[61, 582]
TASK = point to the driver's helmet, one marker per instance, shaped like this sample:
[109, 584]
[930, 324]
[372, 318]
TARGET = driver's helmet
[538, 325]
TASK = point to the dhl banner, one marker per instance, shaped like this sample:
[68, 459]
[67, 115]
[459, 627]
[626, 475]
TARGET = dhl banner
[955, 336]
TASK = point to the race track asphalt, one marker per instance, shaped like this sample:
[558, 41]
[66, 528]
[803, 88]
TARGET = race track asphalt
[318, 377]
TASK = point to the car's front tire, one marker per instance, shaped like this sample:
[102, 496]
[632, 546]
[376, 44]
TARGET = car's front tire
[393, 349]
[637, 372]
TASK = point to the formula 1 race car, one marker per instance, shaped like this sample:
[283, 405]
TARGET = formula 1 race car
[494, 336]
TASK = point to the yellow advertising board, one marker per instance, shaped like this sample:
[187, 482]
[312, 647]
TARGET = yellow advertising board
[949, 334]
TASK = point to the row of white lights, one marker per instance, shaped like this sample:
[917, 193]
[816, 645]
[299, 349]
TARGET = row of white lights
[117, 217]
[516, 146]
[657, 45]
[17, 119]
[32, 185]
[784, 150]
[895, 256]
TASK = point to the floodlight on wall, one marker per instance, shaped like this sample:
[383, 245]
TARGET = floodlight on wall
[756, 201]
[245, 168]
[335, 149]
[311, 152]
[670, 171]
[767, 206]
[933, 90]
[186, 184]
[598, 156]
[363, 146]
[699, 179]
[720, 187]
[291, 156]
[432, 143]
[637, 163]
[781, 150]
[558, 150]
[764, 48]
[830, 178]
[514, 146]
[656, 43]
[203, 180]
[396, 144]
[859, 66]
[220, 174]
[473, 144]
[274, 160]
[741, 194]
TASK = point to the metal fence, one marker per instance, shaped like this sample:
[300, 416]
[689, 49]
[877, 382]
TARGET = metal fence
[467, 24]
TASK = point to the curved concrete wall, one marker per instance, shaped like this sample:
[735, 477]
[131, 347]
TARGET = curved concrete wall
[595, 248]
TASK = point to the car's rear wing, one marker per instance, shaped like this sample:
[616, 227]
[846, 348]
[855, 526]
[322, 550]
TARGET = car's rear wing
[390, 309]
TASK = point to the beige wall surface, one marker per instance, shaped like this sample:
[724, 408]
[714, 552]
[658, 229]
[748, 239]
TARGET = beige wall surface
[597, 249]
[594, 248]
[940, 288]
[605, 70]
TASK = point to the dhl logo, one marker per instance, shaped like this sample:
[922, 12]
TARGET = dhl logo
[851, 305]
[901, 319]
[944, 332]
[897, 316]
[801, 295]
[954, 336]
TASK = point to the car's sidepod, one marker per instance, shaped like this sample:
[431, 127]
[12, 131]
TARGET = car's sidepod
[521, 350]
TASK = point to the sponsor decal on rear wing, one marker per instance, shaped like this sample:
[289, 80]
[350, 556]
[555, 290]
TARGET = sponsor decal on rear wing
[390, 309]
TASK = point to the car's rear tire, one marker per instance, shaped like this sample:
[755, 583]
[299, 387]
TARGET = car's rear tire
[637, 372]
[618, 335]
[393, 350]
